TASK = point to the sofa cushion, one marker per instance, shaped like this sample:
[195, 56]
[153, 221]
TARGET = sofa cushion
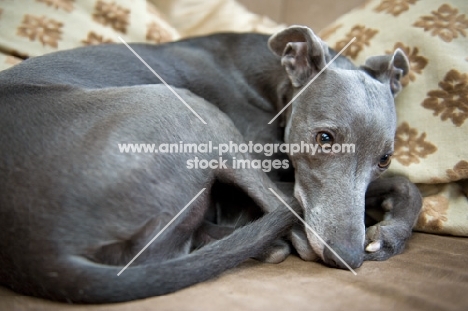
[35, 27]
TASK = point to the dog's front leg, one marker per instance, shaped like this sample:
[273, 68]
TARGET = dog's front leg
[395, 203]
[301, 244]
[257, 184]
[297, 235]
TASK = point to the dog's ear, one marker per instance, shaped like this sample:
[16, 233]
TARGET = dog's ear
[302, 53]
[388, 69]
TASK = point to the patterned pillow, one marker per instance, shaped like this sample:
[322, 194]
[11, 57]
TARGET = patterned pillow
[430, 146]
[35, 27]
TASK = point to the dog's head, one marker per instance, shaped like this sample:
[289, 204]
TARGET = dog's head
[349, 113]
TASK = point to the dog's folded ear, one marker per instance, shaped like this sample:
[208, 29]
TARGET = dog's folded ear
[303, 54]
[388, 69]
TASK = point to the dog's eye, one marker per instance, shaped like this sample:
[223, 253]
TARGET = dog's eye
[385, 161]
[324, 138]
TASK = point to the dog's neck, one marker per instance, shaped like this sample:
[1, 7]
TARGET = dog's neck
[251, 63]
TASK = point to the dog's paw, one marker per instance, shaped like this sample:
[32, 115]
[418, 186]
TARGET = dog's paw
[394, 203]
[385, 240]
[277, 253]
[301, 244]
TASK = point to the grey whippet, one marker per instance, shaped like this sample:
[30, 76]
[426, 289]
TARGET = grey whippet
[74, 211]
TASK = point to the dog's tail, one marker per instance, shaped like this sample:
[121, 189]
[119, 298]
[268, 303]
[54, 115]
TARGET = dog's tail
[83, 281]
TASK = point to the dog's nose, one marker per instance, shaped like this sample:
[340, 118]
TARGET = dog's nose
[352, 256]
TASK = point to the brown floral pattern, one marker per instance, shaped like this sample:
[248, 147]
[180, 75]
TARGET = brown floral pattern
[417, 62]
[394, 7]
[451, 100]
[410, 147]
[363, 36]
[445, 23]
[66, 5]
[35, 27]
[459, 171]
[156, 33]
[93, 38]
[46, 30]
[111, 14]
[433, 213]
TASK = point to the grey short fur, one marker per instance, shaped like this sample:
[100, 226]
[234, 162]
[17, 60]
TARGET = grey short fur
[73, 210]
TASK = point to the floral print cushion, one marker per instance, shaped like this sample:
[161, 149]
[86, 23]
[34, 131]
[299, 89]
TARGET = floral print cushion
[431, 140]
[35, 27]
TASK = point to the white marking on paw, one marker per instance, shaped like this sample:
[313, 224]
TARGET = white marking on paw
[373, 247]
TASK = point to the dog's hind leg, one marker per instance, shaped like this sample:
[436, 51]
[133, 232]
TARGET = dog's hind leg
[395, 203]
[120, 252]
[257, 185]
[77, 279]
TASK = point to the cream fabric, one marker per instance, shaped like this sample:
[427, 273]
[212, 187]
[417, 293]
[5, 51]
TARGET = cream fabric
[35, 27]
[201, 17]
[430, 146]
